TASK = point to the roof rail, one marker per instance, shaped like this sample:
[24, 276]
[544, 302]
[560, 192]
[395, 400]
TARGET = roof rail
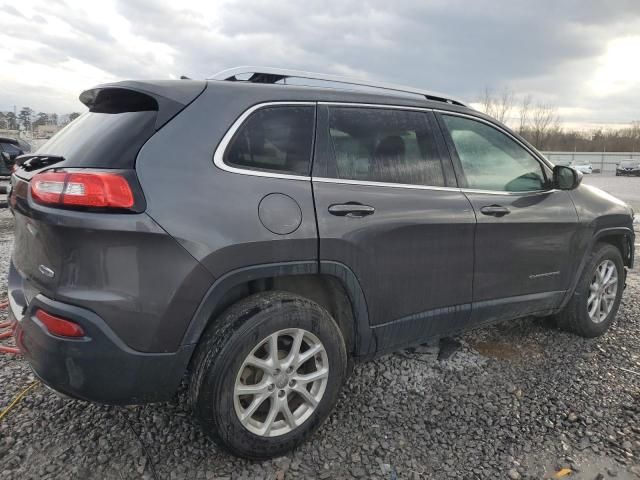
[273, 75]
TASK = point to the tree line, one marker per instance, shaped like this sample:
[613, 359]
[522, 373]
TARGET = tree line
[539, 123]
[536, 121]
[27, 119]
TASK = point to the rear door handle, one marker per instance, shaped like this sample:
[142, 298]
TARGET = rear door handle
[495, 210]
[351, 210]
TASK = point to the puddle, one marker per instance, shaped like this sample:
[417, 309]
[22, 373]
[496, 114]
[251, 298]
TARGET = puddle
[505, 351]
[594, 468]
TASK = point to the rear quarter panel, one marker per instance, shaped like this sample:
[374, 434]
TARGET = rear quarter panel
[123, 267]
[213, 213]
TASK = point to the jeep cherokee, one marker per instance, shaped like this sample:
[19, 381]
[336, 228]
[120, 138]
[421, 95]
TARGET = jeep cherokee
[258, 237]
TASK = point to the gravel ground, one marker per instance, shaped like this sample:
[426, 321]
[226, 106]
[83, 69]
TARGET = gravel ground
[518, 400]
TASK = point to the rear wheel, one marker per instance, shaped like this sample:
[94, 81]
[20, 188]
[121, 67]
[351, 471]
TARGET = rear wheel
[268, 374]
[594, 304]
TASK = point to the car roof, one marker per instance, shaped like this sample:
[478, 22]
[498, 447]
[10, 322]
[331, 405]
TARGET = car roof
[9, 140]
[274, 92]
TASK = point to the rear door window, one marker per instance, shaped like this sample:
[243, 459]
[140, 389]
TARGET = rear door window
[383, 145]
[275, 139]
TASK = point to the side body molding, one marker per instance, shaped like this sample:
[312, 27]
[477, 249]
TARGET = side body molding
[365, 342]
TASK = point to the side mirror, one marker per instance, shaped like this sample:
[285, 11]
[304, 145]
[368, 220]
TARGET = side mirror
[566, 178]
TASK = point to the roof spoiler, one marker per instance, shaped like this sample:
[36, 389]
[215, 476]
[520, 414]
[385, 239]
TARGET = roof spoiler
[167, 97]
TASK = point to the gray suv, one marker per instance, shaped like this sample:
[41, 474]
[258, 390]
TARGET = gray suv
[258, 237]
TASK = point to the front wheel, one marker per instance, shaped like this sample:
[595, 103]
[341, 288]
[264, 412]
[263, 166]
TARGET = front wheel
[268, 374]
[595, 301]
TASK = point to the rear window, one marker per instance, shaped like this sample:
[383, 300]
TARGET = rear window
[274, 139]
[108, 140]
[9, 148]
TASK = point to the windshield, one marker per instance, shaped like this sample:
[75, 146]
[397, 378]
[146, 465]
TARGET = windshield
[629, 163]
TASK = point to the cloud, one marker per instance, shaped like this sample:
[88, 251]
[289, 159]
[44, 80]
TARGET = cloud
[554, 50]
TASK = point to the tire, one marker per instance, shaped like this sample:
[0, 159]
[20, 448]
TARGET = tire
[220, 366]
[575, 316]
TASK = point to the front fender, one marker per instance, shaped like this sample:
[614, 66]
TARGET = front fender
[629, 238]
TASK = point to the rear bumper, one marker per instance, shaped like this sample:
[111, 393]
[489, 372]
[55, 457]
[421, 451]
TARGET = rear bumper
[98, 367]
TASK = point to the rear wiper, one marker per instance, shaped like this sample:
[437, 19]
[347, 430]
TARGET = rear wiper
[35, 162]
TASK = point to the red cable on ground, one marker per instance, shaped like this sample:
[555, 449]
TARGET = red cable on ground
[10, 326]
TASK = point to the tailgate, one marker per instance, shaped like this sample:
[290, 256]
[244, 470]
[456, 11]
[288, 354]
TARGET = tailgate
[121, 117]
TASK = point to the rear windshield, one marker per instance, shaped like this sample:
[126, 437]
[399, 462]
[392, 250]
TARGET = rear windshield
[629, 163]
[9, 148]
[106, 140]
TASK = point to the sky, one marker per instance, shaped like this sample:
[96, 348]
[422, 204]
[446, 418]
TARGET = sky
[578, 55]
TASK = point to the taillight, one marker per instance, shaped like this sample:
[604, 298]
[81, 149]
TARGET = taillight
[60, 327]
[82, 189]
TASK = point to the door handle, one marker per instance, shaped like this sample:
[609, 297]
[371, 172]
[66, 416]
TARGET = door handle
[351, 210]
[495, 210]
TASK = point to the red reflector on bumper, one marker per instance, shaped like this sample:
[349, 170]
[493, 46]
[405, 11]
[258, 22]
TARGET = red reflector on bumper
[59, 326]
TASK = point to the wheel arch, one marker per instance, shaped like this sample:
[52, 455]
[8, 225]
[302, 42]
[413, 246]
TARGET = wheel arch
[332, 285]
[620, 237]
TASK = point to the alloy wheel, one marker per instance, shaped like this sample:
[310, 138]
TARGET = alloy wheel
[602, 291]
[281, 382]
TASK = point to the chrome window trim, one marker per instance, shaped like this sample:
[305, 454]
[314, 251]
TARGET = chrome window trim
[504, 192]
[376, 105]
[537, 156]
[218, 156]
[366, 183]
[429, 187]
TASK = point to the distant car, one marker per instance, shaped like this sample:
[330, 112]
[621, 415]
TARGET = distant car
[13, 148]
[628, 168]
[583, 167]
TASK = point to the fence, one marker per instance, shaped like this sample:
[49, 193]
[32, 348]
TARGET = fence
[602, 162]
